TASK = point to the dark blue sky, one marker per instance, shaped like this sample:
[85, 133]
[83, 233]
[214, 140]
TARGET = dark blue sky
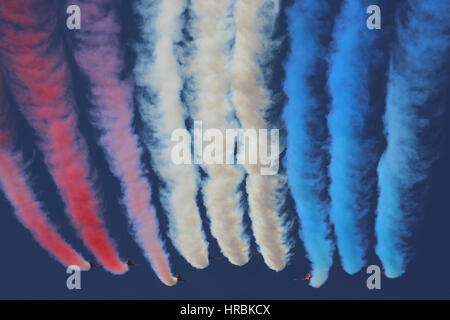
[28, 272]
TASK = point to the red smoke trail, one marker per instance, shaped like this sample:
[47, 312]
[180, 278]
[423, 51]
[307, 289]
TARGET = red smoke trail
[27, 209]
[99, 57]
[34, 58]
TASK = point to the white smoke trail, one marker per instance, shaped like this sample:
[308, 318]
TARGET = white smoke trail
[254, 22]
[158, 76]
[213, 33]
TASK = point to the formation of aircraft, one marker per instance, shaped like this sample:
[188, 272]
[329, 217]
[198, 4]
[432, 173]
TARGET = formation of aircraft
[180, 279]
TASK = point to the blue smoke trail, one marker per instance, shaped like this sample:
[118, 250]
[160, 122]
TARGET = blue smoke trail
[304, 116]
[413, 107]
[353, 152]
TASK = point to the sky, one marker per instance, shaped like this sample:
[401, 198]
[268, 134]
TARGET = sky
[28, 272]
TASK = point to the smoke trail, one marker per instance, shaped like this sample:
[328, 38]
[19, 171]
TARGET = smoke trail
[353, 148]
[213, 34]
[113, 99]
[158, 76]
[254, 22]
[304, 116]
[27, 209]
[418, 79]
[33, 56]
